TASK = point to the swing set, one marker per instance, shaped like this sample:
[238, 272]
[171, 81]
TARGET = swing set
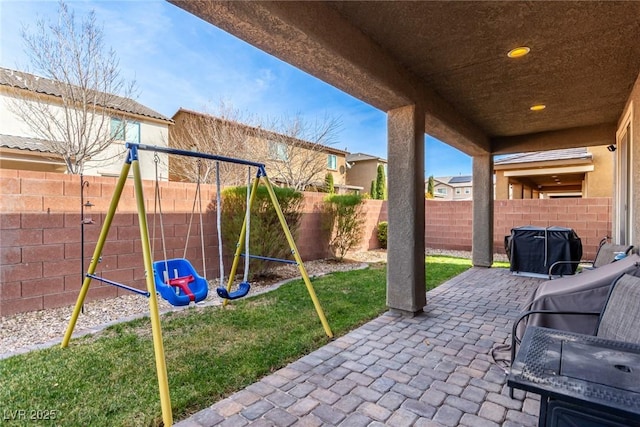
[176, 280]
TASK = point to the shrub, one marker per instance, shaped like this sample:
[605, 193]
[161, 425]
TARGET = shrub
[382, 234]
[266, 235]
[381, 184]
[343, 222]
[430, 187]
[328, 183]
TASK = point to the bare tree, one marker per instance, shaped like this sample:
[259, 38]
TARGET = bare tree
[297, 150]
[293, 151]
[84, 77]
[225, 132]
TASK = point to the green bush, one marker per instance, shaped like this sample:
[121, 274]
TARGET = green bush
[381, 184]
[266, 235]
[382, 234]
[328, 183]
[343, 222]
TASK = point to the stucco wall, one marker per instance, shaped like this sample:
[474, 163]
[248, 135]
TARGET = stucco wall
[599, 183]
[362, 173]
[109, 162]
[634, 103]
[502, 186]
[449, 191]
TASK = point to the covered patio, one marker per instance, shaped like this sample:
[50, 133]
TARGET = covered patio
[487, 78]
[433, 369]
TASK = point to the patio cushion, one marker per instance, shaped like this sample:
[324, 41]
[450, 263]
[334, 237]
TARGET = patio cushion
[620, 319]
[607, 253]
[586, 292]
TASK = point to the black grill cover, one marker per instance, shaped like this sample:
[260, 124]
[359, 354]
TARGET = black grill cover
[534, 249]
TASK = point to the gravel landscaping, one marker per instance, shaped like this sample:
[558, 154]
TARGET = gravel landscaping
[27, 331]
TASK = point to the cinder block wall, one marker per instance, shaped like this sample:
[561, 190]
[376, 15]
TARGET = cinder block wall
[40, 232]
[449, 225]
[40, 235]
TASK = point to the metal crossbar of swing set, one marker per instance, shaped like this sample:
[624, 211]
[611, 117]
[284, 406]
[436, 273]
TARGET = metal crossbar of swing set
[120, 285]
[266, 258]
[133, 147]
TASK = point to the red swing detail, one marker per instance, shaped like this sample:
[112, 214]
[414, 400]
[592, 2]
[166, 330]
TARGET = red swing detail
[183, 284]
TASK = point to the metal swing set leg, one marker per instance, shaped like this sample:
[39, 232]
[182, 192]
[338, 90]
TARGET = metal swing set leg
[154, 314]
[132, 163]
[292, 246]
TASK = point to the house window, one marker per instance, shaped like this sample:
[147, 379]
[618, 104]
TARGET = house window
[278, 151]
[332, 162]
[458, 191]
[441, 190]
[123, 130]
[467, 190]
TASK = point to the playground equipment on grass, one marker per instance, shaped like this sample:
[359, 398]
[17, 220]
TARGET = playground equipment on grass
[180, 289]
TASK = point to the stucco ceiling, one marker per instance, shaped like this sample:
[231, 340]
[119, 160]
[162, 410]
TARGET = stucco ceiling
[584, 59]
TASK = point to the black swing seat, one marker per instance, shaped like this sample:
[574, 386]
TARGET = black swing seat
[243, 290]
[184, 285]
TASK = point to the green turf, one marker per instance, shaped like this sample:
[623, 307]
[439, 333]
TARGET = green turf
[109, 379]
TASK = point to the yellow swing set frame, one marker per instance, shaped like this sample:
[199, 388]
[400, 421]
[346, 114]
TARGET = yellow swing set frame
[132, 163]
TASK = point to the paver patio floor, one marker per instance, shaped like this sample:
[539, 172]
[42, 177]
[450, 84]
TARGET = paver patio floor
[430, 370]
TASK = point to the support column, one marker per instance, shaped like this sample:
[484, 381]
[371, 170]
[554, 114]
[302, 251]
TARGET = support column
[527, 192]
[482, 244]
[502, 186]
[516, 191]
[406, 290]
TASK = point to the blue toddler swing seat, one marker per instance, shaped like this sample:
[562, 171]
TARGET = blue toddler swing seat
[178, 282]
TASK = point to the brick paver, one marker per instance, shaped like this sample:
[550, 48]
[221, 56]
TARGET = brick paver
[430, 370]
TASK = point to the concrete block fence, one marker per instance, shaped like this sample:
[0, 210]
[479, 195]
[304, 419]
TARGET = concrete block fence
[448, 225]
[40, 254]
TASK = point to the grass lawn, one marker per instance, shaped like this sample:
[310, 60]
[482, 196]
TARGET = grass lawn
[109, 379]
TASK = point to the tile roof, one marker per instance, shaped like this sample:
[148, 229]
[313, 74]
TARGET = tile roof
[258, 131]
[358, 157]
[546, 156]
[23, 143]
[30, 82]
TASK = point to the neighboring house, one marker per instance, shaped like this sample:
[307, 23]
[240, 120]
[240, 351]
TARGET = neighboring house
[283, 156]
[573, 172]
[453, 188]
[362, 170]
[20, 148]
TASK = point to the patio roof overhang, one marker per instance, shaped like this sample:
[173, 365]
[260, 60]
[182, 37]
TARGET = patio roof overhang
[442, 68]
[452, 58]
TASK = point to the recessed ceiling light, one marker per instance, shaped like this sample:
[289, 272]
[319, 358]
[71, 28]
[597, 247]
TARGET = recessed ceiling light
[537, 107]
[518, 52]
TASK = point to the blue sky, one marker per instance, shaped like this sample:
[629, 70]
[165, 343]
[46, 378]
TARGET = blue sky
[178, 60]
